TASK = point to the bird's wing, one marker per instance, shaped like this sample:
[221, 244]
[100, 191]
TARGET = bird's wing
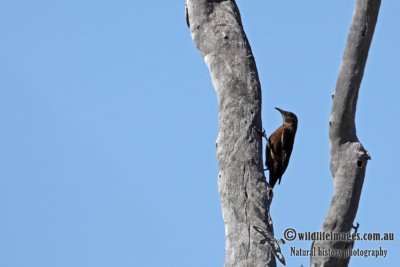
[273, 150]
[287, 146]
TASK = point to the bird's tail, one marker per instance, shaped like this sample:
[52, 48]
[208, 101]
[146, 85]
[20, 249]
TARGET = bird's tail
[272, 178]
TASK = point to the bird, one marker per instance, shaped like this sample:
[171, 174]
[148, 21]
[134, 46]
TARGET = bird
[280, 146]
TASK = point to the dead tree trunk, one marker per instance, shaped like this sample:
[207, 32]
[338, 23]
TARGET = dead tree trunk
[217, 31]
[348, 156]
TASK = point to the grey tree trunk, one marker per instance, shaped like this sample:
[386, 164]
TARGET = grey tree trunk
[217, 31]
[348, 156]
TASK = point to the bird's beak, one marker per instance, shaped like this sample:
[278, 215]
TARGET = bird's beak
[280, 110]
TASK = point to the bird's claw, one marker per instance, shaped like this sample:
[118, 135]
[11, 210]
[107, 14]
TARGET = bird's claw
[261, 132]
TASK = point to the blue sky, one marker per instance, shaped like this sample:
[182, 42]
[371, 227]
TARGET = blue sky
[109, 122]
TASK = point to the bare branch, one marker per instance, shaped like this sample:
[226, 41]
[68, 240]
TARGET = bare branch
[217, 31]
[348, 156]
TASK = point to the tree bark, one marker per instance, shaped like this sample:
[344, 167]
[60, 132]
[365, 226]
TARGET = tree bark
[217, 32]
[348, 156]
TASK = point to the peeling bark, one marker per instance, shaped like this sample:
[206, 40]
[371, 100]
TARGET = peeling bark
[218, 33]
[348, 156]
